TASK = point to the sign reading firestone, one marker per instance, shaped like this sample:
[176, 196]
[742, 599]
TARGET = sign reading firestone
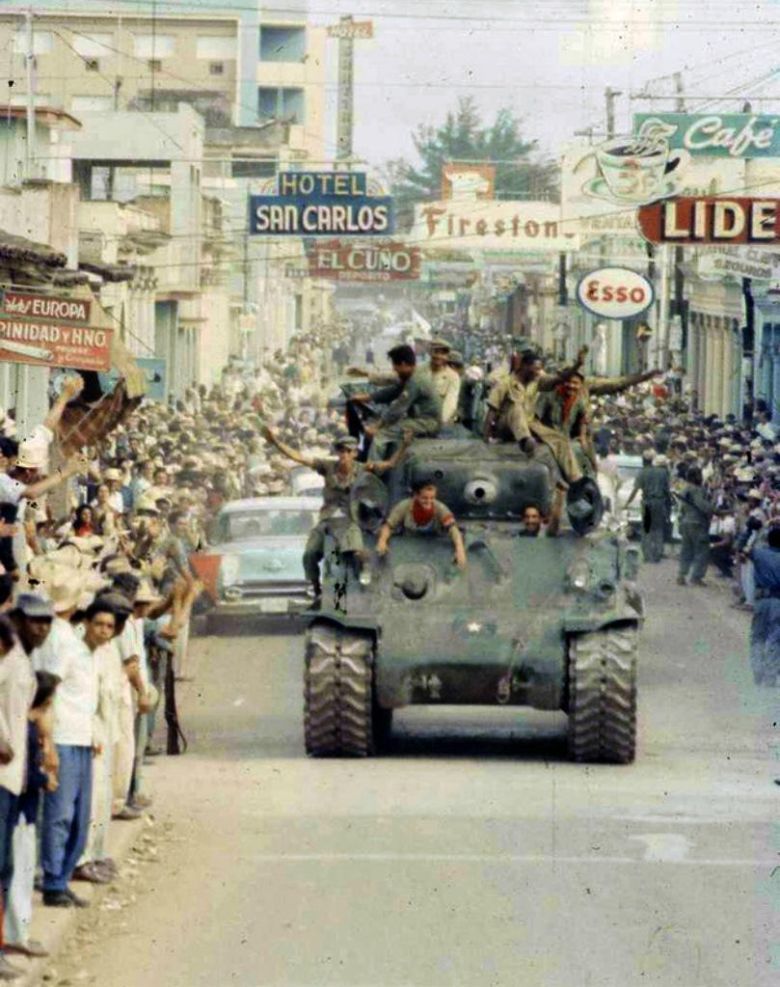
[387, 261]
[504, 225]
[712, 221]
[615, 293]
[321, 203]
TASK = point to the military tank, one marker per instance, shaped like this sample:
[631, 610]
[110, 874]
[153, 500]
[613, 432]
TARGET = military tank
[549, 623]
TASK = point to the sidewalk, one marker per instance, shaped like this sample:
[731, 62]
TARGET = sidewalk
[52, 926]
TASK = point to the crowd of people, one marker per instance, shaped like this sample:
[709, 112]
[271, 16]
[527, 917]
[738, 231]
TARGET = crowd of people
[97, 585]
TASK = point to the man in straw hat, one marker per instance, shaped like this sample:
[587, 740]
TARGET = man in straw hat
[66, 811]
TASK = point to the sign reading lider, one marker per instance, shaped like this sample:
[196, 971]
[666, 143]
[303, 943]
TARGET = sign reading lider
[389, 261]
[735, 135]
[708, 221]
[615, 293]
[321, 203]
[54, 344]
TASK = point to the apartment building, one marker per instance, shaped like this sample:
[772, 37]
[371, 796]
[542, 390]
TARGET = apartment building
[236, 67]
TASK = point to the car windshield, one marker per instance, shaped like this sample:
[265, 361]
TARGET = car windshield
[241, 525]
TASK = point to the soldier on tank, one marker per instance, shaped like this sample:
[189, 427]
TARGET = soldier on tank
[696, 510]
[413, 405]
[337, 514]
[422, 514]
[653, 482]
[535, 525]
[512, 416]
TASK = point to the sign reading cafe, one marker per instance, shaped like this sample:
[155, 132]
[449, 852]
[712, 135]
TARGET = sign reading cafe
[321, 203]
[733, 135]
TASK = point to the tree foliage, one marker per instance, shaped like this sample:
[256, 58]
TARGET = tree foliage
[466, 137]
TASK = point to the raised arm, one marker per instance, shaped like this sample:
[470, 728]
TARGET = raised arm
[615, 385]
[549, 381]
[76, 465]
[71, 389]
[284, 449]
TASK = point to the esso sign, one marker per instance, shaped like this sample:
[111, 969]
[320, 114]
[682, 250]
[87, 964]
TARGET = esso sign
[615, 293]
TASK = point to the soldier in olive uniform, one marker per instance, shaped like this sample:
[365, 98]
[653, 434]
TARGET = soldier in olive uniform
[696, 510]
[413, 405]
[653, 483]
[337, 514]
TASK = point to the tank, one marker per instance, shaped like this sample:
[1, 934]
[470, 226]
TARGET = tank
[547, 623]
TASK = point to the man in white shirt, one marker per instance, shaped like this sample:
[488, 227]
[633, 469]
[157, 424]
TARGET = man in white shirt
[31, 619]
[66, 811]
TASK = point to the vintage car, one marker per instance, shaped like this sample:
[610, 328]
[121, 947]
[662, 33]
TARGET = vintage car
[253, 566]
[616, 485]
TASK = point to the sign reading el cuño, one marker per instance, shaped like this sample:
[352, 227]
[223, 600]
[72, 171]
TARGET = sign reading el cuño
[45, 306]
[615, 293]
[321, 203]
[54, 344]
[734, 135]
[712, 221]
[390, 261]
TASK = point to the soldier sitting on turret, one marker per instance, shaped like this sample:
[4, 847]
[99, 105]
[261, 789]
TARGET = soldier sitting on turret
[512, 411]
[422, 514]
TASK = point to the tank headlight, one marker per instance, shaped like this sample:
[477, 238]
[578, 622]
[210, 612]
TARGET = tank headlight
[229, 569]
[605, 589]
[579, 576]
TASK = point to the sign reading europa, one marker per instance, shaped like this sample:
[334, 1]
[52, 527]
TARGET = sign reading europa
[707, 220]
[321, 203]
[387, 261]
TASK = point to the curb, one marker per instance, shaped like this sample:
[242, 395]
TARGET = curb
[50, 926]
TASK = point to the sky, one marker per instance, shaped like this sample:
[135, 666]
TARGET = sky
[550, 61]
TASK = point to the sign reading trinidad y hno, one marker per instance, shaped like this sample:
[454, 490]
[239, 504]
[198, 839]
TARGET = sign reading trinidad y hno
[321, 203]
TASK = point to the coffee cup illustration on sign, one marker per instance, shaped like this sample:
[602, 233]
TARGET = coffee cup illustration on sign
[638, 170]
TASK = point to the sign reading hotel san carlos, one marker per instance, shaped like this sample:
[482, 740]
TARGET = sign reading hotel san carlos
[377, 261]
[712, 221]
[615, 293]
[321, 203]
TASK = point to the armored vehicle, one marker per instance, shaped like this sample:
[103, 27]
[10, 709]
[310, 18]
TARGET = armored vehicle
[545, 622]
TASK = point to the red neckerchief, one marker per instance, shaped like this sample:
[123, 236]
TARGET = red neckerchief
[569, 400]
[421, 514]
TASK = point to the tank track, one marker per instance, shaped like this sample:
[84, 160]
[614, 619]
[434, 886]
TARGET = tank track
[338, 692]
[602, 696]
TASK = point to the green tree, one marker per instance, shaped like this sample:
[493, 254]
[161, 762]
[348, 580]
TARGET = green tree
[464, 136]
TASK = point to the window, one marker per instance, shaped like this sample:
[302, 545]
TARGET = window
[216, 46]
[92, 45]
[92, 65]
[93, 104]
[282, 44]
[42, 42]
[216, 68]
[253, 169]
[154, 46]
[155, 65]
[235, 526]
[280, 104]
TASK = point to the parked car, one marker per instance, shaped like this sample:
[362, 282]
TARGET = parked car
[616, 484]
[254, 567]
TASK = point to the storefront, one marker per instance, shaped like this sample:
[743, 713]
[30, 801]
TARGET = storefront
[713, 354]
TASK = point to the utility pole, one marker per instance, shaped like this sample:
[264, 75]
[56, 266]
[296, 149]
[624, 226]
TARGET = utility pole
[678, 257]
[679, 102]
[30, 66]
[610, 95]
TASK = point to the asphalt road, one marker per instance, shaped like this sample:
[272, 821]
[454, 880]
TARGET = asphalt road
[474, 854]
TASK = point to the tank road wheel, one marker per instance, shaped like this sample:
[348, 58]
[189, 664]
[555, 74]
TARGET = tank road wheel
[602, 696]
[338, 692]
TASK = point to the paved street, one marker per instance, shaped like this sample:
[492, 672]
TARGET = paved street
[475, 853]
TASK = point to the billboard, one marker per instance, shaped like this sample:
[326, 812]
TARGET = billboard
[350, 261]
[468, 180]
[715, 135]
[501, 225]
[321, 203]
[726, 221]
[54, 344]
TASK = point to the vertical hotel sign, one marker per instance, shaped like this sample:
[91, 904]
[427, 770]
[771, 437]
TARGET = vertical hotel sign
[321, 203]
